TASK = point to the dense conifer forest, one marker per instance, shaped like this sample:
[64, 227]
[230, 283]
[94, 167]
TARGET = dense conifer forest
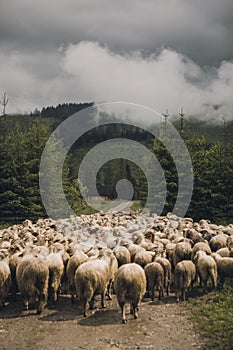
[23, 137]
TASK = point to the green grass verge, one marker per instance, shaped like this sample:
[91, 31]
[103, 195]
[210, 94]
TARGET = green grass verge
[212, 316]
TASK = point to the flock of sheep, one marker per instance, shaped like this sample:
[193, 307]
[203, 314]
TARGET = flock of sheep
[94, 254]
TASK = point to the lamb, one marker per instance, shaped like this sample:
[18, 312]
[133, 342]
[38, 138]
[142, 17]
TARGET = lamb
[184, 276]
[225, 267]
[92, 278]
[182, 251]
[32, 275]
[5, 281]
[122, 254]
[155, 278]
[165, 263]
[206, 268]
[74, 262]
[130, 286]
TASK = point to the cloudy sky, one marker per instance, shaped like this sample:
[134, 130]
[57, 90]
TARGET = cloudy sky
[159, 53]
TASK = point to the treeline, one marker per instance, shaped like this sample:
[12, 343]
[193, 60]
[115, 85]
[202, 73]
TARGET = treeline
[23, 138]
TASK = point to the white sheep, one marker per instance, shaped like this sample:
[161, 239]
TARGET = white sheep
[78, 258]
[217, 242]
[182, 251]
[92, 278]
[143, 258]
[5, 281]
[225, 267]
[200, 246]
[184, 276]
[32, 275]
[206, 268]
[56, 269]
[130, 286]
[165, 263]
[122, 254]
[155, 278]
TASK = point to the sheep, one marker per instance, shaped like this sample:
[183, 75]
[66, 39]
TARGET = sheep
[155, 278]
[206, 267]
[143, 258]
[165, 263]
[230, 242]
[225, 267]
[56, 269]
[230, 245]
[113, 270]
[13, 262]
[130, 286]
[92, 278]
[122, 254]
[194, 236]
[133, 249]
[74, 262]
[217, 242]
[5, 281]
[184, 276]
[200, 246]
[182, 251]
[32, 275]
[224, 252]
[169, 253]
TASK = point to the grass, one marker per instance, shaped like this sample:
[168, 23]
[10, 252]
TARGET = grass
[212, 316]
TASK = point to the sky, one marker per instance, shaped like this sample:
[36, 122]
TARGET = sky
[164, 54]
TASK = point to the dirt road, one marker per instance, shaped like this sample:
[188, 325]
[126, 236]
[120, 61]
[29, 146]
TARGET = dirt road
[163, 326]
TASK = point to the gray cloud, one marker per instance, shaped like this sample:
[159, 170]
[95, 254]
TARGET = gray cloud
[149, 57]
[199, 29]
[89, 71]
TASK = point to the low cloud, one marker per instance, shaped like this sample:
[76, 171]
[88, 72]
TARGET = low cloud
[161, 80]
[88, 71]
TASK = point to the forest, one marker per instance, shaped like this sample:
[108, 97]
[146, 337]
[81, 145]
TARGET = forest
[23, 138]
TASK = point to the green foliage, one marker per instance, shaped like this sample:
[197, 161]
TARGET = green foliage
[212, 315]
[23, 138]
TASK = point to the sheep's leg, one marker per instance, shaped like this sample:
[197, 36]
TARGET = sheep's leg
[204, 286]
[26, 302]
[122, 306]
[161, 292]
[222, 280]
[41, 303]
[183, 294]
[213, 277]
[91, 303]
[168, 288]
[135, 310]
[102, 300]
[109, 287]
[72, 289]
[153, 293]
[177, 296]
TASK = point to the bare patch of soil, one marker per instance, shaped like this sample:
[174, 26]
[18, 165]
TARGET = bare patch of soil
[161, 326]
